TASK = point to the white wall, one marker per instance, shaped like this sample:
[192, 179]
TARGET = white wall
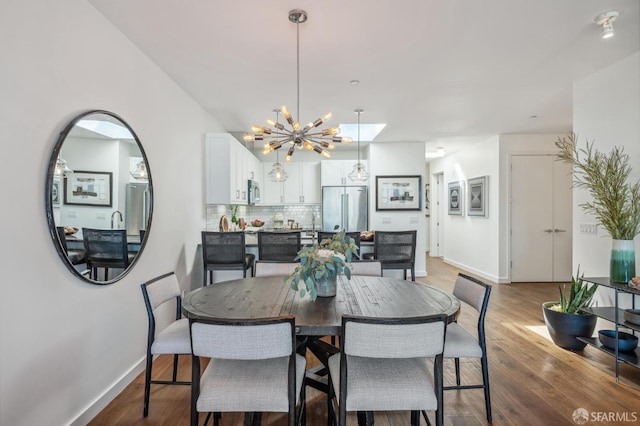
[471, 242]
[64, 343]
[606, 110]
[398, 158]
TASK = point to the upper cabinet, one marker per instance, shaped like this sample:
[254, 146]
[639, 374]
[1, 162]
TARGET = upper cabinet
[303, 184]
[301, 187]
[229, 166]
[336, 172]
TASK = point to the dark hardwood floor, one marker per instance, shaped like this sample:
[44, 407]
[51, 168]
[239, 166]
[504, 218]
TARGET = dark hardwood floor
[533, 382]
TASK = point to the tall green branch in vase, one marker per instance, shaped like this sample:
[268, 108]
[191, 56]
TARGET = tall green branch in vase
[615, 201]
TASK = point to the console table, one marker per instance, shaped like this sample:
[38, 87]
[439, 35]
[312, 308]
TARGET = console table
[614, 314]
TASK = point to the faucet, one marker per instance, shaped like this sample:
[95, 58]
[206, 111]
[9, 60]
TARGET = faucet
[113, 215]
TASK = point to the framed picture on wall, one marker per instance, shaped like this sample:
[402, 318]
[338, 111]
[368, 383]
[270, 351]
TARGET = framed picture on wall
[56, 194]
[454, 199]
[398, 193]
[427, 205]
[85, 188]
[477, 198]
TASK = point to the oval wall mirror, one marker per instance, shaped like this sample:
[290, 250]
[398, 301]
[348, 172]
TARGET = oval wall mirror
[99, 197]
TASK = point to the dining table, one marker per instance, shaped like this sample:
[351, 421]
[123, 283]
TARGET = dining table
[264, 297]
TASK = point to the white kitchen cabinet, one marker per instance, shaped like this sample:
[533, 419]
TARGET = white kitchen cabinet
[301, 187]
[228, 168]
[336, 172]
[303, 184]
[272, 192]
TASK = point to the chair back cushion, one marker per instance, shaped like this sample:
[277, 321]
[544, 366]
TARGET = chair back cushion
[394, 337]
[223, 247]
[471, 291]
[243, 339]
[372, 268]
[162, 289]
[274, 269]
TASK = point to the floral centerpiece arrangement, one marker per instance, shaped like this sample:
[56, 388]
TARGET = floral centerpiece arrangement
[320, 265]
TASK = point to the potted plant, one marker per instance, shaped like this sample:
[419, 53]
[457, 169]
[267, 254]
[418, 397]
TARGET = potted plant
[615, 200]
[320, 265]
[565, 319]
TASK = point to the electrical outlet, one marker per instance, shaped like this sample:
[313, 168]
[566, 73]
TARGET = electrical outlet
[386, 219]
[589, 228]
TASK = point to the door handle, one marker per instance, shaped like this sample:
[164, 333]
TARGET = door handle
[559, 230]
[548, 231]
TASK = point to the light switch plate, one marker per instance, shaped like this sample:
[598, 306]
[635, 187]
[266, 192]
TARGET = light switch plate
[589, 228]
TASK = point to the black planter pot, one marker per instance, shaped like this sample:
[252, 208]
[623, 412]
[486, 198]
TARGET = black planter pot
[564, 328]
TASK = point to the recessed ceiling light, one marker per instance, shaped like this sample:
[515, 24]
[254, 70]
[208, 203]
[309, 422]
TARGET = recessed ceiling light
[354, 82]
[606, 20]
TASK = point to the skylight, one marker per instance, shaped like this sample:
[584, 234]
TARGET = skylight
[106, 128]
[368, 132]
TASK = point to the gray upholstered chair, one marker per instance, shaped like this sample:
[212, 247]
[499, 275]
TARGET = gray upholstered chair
[173, 338]
[384, 366]
[225, 251]
[371, 268]
[396, 250]
[266, 268]
[462, 344]
[278, 246]
[254, 367]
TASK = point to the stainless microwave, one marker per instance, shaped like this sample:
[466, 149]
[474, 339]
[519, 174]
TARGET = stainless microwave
[253, 191]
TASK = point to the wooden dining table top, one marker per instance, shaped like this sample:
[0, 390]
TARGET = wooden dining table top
[264, 297]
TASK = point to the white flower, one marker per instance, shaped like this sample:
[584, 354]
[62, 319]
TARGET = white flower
[328, 254]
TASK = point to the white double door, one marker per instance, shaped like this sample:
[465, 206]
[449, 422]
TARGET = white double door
[541, 219]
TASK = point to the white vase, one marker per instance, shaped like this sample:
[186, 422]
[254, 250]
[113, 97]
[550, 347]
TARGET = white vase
[327, 286]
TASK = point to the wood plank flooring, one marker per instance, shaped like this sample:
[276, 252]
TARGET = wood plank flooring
[533, 382]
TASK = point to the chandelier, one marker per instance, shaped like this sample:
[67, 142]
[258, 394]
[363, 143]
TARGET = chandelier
[308, 137]
[359, 172]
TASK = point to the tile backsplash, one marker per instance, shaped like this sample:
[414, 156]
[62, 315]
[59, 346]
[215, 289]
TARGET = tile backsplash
[301, 214]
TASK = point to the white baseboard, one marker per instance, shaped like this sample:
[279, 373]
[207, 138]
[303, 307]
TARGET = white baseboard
[109, 394]
[474, 271]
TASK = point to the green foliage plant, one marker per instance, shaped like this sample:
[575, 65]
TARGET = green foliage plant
[580, 295]
[325, 259]
[615, 200]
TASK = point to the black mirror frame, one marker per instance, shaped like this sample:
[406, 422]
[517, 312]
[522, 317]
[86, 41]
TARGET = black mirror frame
[49, 204]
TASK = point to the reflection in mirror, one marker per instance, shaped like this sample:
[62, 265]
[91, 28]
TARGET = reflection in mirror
[99, 197]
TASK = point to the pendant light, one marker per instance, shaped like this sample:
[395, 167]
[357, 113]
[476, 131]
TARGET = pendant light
[277, 173]
[61, 168]
[359, 172]
[140, 172]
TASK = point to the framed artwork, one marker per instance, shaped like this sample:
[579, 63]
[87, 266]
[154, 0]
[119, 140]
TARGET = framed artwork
[56, 193]
[477, 199]
[455, 198]
[84, 188]
[427, 206]
[398, 192]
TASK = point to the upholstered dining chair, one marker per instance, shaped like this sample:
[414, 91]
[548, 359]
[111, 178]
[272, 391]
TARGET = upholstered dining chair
[371, 268]
[106, 248]
[278, 246]
[225, 251]
[253, 368]
[268, 268]
[173, 338]
[396, 250]
[462, 344]
[384, 366]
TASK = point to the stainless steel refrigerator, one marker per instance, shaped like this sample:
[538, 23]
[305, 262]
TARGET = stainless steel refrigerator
[346, 206]
[137, 205]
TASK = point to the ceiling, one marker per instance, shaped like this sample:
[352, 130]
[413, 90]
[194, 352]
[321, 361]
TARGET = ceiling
[445, 72]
